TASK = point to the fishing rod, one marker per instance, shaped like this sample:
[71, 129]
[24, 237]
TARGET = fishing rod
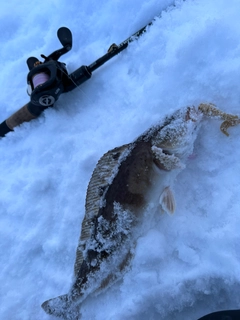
[47, 80]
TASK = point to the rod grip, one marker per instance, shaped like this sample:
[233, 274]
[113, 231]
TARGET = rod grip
[4, 129]
[17, 118]
[20, 116]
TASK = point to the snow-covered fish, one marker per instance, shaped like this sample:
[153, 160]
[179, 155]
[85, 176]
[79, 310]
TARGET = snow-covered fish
[124, 183]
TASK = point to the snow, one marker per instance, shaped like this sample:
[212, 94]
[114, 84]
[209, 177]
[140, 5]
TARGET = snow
[185, 265]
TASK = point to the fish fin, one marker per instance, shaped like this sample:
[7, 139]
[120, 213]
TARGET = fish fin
[104, 171]
[166, 161]
[102, 176]
[167, 200]
[61, 307]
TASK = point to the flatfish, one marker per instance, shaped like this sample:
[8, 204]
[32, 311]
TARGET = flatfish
[125, 181]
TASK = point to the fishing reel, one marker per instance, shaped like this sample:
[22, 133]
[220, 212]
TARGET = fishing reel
[47, 80]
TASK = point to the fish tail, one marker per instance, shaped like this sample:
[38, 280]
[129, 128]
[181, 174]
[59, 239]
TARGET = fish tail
[62, 307]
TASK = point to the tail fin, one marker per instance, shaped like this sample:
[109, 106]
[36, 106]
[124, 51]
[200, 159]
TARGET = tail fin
[61, 307]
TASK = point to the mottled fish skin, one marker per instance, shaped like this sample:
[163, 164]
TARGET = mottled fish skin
[117, 194]
[123, 182]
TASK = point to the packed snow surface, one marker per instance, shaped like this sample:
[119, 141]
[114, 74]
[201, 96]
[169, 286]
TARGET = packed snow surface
[185, 265]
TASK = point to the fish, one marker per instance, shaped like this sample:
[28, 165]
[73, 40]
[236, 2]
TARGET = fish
[129, 183]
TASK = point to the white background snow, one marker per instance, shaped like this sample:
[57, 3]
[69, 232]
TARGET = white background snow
[188, 264]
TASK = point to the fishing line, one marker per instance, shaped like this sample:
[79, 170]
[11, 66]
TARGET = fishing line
[39, 79]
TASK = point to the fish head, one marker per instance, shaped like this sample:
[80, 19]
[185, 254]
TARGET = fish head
[178, 132]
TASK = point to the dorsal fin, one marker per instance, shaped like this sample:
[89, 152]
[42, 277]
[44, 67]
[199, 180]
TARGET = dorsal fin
[102, 176]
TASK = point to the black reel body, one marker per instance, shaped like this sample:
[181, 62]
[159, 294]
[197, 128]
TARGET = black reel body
[49, 79]
[47, 82]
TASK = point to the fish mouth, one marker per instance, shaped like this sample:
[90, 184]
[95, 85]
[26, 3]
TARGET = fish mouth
[179, 131]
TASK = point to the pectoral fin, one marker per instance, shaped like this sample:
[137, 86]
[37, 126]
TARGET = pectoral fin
[167, 201]
[166, 161]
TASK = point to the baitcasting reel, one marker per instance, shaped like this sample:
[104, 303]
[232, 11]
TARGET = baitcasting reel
[47, 80]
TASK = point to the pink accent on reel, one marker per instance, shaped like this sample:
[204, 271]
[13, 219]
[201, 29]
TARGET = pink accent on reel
[39, 79]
